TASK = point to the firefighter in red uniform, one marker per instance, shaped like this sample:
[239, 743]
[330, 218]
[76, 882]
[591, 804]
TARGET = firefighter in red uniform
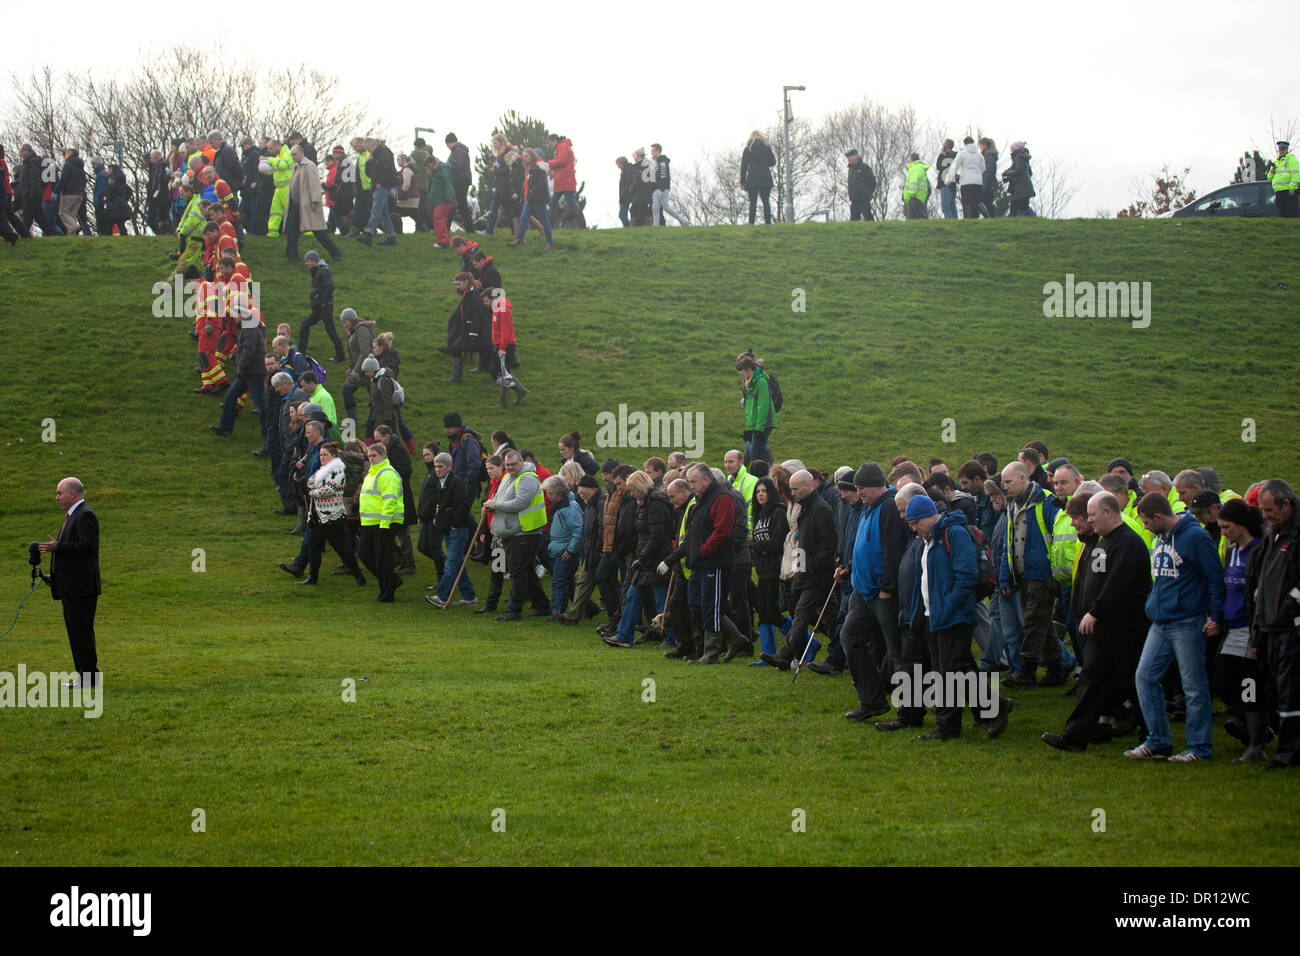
[209, 311]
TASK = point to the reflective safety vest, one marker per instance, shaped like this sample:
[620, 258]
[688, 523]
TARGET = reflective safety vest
[681, 535]
[192, 221]
[1063, 548]
[917, 185]
[381, 497]
[532, 518]
[1226, 496]
[363, 177]
[745, 483]
[281, 167]
[1175, 502]
[1133, 521]
[1286, 173]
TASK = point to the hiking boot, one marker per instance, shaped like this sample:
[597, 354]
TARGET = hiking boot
[1022, 678]
[821, 667]
[1060, 743]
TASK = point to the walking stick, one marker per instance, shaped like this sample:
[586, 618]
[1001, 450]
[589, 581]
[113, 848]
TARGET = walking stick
[812, 635]
[482, 517]
[662, 616]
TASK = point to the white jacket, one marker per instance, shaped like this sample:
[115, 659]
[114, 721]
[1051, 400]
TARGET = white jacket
[968, 168]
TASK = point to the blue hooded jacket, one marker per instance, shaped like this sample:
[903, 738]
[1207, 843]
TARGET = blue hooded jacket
[869, 551]
[952, 573]
[1187, 574]
[566, 529]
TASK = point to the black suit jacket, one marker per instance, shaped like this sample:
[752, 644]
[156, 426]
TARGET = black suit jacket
[74, 564]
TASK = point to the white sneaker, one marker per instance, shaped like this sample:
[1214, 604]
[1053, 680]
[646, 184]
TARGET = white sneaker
[465, 602]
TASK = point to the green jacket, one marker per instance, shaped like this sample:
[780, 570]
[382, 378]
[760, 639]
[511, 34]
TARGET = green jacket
[918, 184]
[759, 413]
[441, 190]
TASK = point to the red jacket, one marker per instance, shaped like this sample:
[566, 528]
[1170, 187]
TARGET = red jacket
[565, 177]
[503, 324]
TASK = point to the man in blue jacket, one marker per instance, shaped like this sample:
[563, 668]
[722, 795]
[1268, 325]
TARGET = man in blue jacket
[946, 577]
[1185, 607]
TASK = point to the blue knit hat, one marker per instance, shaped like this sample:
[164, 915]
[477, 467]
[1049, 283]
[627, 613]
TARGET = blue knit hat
[920, 507]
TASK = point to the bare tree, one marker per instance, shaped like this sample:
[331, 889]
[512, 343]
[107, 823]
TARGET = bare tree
[179, 92]
[1053, 186]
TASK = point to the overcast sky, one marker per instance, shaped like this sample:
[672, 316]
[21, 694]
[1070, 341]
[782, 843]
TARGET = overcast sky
[1115, 88]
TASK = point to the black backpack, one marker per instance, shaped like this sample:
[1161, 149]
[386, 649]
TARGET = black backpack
[987, 582]
[774, 391]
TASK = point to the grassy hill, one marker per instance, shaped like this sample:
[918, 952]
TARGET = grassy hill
[223, 687]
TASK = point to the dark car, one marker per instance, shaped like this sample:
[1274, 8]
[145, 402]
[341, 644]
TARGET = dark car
[1239, 199]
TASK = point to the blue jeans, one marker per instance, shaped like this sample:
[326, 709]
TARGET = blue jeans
[1007, 636]
[756, 446]
[632, 609]
[534, 209]
[948, 201]
[622, 213]
[562, 573]
[379, 212]
[492, 215]
[569, 212]
[256, 385]
[1185, 641]
[457, 542]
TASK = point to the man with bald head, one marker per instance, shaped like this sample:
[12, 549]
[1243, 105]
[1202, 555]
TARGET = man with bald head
[814, 577]
[74, 576]
[1025, 568]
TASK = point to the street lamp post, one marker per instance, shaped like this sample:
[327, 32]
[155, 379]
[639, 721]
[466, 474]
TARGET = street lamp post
[789, 160]
[423, 129]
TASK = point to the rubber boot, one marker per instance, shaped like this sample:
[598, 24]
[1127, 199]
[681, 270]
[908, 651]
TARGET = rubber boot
[520, 392]
[1257, 729]
[737, 646]
[714, 646]
[504, 400]
[767, 641]
[301, 526]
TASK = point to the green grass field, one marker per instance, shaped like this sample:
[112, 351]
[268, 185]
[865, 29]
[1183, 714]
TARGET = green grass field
[224, 688]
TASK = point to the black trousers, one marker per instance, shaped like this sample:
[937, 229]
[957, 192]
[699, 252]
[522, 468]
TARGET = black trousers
[970, 201]
[607, 584]
[377, 555]
[323, 313]
[858, 636]
[521, 557]
[6, 208]
[808, 604]
[738, 607]
[336, 533]
[1284, 662]
[322, 237]
[429, 544]
[1288, 203]
[950, 651]
[1110, 663]
[755, 194]
[79, 619]
[34, 212]
[462, 204]
[915, 643]
[860, 209]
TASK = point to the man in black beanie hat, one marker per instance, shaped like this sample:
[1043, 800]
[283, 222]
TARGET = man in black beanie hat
[466, 447]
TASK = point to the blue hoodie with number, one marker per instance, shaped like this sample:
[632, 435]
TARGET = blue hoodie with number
[1187, 573]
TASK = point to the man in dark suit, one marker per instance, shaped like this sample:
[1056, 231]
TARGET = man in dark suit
[74, 575]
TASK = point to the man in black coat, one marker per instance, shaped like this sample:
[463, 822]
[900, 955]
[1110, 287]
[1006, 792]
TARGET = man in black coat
[31, 193]
[74, 576]
[400, 459]
[249, 158]
[815, 577]
[710, 555]
[71, 188]
[1113, 586]
[429, 543]
[321, 301]
[862, 186]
